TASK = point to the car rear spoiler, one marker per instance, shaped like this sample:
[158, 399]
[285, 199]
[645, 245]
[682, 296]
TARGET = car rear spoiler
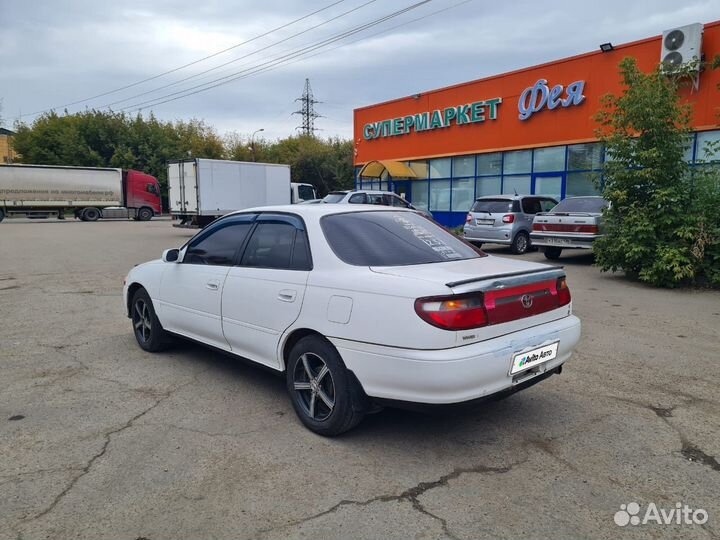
[523, 276]
[566, 214]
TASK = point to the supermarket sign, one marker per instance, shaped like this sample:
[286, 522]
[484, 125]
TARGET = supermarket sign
[532, 100]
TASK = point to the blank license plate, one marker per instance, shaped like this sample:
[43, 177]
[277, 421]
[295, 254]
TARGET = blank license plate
[484, 221]
[528, 359]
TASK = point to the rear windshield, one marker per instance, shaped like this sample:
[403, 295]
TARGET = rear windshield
[334, 197]
[494, 206]
[392, 238]
[592, 205]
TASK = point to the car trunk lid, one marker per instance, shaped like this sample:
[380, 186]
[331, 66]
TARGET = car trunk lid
[503, 284]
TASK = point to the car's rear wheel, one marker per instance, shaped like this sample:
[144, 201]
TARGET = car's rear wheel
[323, 393]
[552, 253]
[149, 333]
[520, 243]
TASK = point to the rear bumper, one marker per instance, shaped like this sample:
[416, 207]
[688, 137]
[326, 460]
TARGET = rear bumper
[490, 235]
[459, 374]
[563, 241]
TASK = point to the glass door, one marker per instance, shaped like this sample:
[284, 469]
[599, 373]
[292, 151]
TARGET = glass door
[551, 184]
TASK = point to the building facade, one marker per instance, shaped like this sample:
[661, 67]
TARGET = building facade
[7, 154]
[527, 131]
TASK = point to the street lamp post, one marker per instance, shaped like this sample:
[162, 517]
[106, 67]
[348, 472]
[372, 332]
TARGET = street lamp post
[252, 142]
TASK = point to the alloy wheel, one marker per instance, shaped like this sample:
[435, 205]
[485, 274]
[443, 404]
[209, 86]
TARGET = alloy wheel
[314, 386]
[142, 321]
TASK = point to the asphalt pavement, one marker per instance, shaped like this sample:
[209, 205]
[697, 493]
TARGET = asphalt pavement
[99, 439]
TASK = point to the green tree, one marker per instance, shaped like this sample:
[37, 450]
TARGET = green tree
[662, 225]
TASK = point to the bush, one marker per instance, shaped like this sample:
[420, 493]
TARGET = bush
[663, 224]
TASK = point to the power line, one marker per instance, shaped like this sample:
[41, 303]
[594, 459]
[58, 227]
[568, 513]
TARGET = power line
[265, 66]
[189, 63]
[306, 56]
[152, 91]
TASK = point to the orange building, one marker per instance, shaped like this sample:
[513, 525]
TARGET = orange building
[7, 154]
[526, 131]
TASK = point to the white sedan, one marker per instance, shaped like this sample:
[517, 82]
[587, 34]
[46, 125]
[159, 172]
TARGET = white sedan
[357, 306]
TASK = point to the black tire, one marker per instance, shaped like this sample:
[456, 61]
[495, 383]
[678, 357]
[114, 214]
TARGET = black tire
[90, 214]
[149, 333]
[144, 214]
[552, 253]
[326, 401]
[520, 243]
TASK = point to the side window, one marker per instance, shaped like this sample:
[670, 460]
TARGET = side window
[301, 252]
[375, 198]
[547, 204]
[220, 244]
[531, 205]
[152, 189]
[394, 200]
[358, 198]
[270, 246]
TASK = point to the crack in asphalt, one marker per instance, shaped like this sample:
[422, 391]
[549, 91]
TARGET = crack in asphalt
[688, 450]
[108, 439]
[410, 495]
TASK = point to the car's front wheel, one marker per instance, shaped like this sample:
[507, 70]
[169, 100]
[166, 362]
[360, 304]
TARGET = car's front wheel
[149, 333]
[323, 393]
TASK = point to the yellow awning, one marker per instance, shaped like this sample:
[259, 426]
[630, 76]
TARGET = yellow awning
[395, 169]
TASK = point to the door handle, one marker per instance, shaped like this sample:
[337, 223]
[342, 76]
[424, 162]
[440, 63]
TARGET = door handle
[213, 285]
[287, 295]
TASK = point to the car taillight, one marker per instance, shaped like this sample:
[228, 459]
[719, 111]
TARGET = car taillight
[497, 306]
[457, 312]
[468, 218]
[508, 218]
[563, 292]
[537, 227]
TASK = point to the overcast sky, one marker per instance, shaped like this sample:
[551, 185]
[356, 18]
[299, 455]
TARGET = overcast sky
[54, 52]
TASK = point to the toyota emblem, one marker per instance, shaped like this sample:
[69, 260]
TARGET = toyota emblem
[526, 301]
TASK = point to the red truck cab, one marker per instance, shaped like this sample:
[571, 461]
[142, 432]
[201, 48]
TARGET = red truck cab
[142, 190]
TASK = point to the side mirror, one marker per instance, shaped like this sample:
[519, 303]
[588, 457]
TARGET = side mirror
[171, 255]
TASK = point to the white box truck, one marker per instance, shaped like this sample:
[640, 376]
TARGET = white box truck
[201, 190]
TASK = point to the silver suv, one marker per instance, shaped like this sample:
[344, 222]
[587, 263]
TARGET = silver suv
[505, 219]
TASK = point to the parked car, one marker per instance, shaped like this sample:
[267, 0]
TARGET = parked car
[382, 198]
[357, 306]
[575, 223]
[505, 219]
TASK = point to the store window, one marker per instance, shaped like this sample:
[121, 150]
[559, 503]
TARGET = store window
[516, 184]
[440, 196]
[517, 162]
[549, 159]
[463, 166]
[583, 157]
[708, 146]
[489, 164]
[420, 194]
[463, 194]
[488, 185]
[581, 184]
[688, 154]
[440, 168]
[420, 168]
[549, 185]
